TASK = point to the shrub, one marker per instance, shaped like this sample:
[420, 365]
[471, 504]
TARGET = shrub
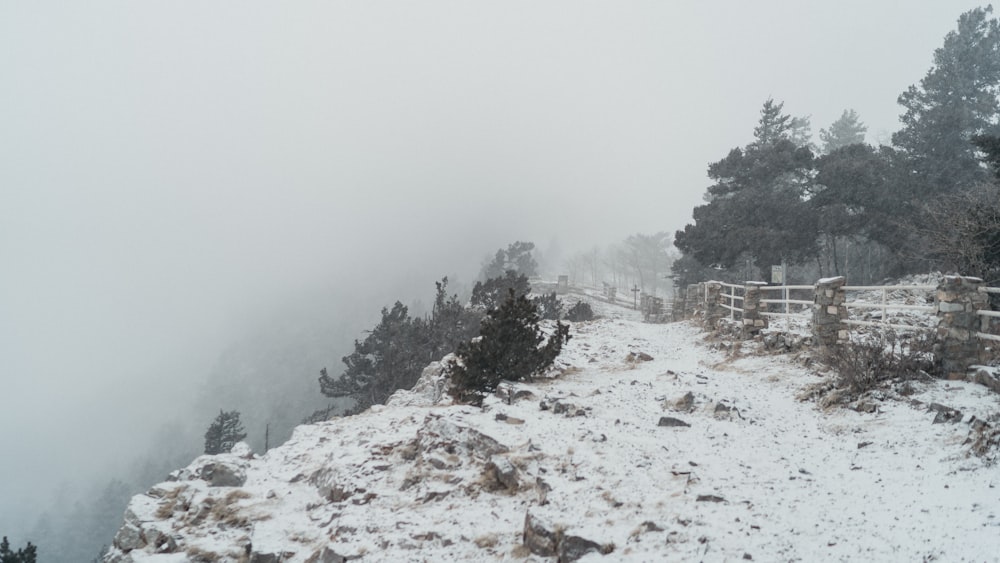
[872, 359]
[510, 346]
[580, 312]
[549, 306]
[224, 432]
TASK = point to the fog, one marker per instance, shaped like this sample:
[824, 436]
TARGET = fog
[177, 176]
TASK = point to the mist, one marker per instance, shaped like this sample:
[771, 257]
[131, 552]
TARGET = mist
[178, 180]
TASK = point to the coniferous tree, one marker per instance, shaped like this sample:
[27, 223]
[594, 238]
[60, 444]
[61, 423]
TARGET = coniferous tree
[26, 554]
[396, 351]
[511, 346]
[516, 257]
[958, 99]
[847, 130]
[224, 432]
[492, 293]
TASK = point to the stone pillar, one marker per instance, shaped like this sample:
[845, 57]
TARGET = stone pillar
[829, 312]
[753, 321]
[713, 305]
[956, 346]
[695, 294]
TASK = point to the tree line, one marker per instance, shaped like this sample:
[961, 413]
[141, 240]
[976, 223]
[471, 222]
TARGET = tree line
[848, 207]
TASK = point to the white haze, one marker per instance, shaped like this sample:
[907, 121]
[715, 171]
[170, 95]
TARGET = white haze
[173, 172]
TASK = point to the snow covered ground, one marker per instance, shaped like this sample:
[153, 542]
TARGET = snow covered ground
[591, 462]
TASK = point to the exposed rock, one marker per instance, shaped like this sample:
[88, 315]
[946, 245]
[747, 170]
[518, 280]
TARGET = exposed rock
[540, 536]
[441, 433]
[944, 414]
[129, 537]
[573, 547]
[671, 421]
[257, 557]
[568, 409]
[633, 357]
[710, 498]
[682, 404]
[430, 389]
[509, 419]
[504, 472]
[222, 474]
[326, 555]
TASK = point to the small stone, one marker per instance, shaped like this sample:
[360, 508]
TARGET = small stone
[671, 421]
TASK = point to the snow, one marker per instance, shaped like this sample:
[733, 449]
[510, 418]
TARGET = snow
[778, 478]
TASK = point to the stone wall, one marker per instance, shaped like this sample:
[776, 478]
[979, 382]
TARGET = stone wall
[829, 312]
[956, 345]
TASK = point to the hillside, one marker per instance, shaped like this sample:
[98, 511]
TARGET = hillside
[651, 444]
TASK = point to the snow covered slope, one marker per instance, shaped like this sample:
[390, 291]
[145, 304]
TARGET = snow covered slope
[690, 455]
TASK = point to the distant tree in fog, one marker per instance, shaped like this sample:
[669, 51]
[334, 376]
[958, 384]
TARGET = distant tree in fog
[224, 432]
[516, 257]
[847, 130]
[958, 99]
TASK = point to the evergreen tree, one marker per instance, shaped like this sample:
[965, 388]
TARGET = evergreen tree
[224, 432]
[847, 130]
[989, 145]
[26, 554]
[510, 346]
[396, 351]
[491, 293]
[516, 257]
[757, 207]
[956, 101]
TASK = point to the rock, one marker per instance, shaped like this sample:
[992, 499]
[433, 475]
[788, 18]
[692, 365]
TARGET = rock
[242, 449]
[710, 498]
[540, 536]
[129, 537]
[222, 474]
[326, 555]
[723, 411]
[158, 540]
[865, 406]
[671, 421]
[944, 414]
[258, 557]
[504, 472]
[509, 419]
[543, 489]
[572, 548]
[568, 409]
[430, 389]
[682, 404]
[441, 433]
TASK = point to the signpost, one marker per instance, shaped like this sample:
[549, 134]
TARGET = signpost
[635, 296]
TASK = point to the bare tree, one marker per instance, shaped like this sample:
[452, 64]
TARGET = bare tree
[962, 232]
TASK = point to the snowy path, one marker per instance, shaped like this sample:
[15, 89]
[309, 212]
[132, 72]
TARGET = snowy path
[757, 473]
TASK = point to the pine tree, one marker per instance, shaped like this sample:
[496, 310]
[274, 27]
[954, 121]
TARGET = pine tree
[492, 293]
[224, 432]
[510, 347]
[956, 101]
[26, 554]
[847, 130]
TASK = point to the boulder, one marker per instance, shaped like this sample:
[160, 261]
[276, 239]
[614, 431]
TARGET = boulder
[504, 472]
[540, 536]
[129, 537]
[573, 547]
[222, 474]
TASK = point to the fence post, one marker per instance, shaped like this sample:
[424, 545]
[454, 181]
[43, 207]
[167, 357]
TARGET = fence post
[958, 298]
[714, 311]
[829, 311]
[753, 321]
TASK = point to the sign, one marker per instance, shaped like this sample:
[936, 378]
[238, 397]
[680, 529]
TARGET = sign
[778, 275]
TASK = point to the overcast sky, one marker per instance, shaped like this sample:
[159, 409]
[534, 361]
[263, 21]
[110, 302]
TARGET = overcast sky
[168, 170]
